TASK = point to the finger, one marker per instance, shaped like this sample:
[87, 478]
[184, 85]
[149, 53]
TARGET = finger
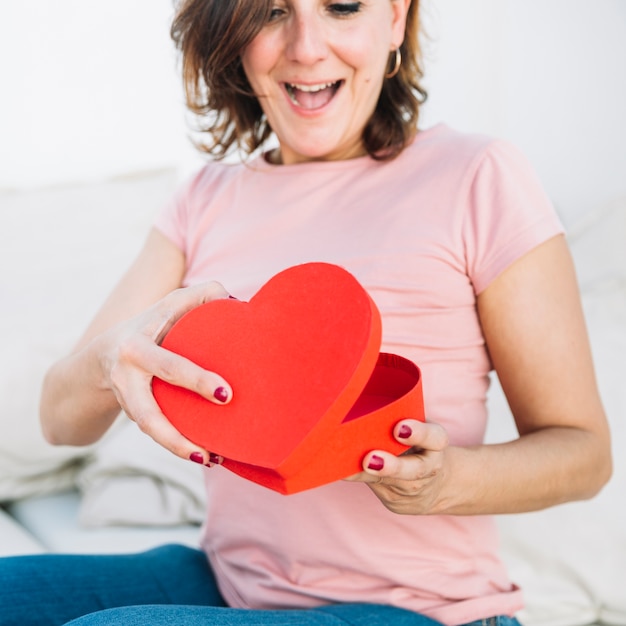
[408, 467]
[422, 435]
[180, 301]
[180, 371]
[151, 421]
[363, 477]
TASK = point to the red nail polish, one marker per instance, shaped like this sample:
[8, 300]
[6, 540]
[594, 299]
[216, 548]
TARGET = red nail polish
[405, 432]
[214, 458]
[232, 298]
[220, 394]
[196, 457]
[376, 463]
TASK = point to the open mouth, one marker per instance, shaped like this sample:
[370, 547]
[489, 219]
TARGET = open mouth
[312, 97]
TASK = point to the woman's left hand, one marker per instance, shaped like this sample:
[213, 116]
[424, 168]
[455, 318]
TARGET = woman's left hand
[411, 483]
[534, 328]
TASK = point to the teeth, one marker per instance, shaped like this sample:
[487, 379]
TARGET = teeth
[293, 88]
[310, 88]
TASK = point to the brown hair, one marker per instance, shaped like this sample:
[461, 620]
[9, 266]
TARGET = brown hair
[211, 34]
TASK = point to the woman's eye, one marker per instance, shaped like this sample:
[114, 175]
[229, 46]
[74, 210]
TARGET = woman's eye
[276, 13]
[344, 9]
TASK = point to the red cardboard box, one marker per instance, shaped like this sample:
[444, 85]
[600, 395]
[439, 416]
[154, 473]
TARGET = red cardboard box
[311, 392]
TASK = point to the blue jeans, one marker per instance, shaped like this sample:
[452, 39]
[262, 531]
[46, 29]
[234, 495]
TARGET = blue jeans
[499, 620]
[167, 586]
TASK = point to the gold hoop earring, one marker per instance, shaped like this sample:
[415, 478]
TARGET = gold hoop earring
[396, 65]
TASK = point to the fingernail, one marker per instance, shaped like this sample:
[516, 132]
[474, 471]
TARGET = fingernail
[220, 394]
[196, 457]
[232, 297]
[376, 463]
[214, 458]
[405, 432]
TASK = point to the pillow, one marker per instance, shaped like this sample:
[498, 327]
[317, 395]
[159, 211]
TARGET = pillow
[61, 251]
[131, 480]
[14, 539]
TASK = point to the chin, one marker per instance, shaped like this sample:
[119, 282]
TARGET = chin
[314, 151]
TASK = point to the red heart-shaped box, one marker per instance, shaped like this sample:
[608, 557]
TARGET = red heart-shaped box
[311, 392]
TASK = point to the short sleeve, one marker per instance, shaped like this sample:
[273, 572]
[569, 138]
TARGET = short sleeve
[509, 213]
[177, 217]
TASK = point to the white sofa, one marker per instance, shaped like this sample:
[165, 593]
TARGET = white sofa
[62, 249]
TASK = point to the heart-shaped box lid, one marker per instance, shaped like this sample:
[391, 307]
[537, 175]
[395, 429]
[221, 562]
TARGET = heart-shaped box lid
[311, 393]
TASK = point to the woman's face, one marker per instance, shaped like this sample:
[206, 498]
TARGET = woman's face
[317, 68]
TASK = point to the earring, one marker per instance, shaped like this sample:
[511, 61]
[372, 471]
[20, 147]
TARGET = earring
[396, 66]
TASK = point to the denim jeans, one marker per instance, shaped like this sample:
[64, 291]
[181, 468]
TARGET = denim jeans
[498, 620]
[167, 586]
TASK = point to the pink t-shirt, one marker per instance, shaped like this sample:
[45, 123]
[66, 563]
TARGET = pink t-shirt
[424, 234]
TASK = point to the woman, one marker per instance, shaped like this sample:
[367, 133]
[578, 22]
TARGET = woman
[453, 237]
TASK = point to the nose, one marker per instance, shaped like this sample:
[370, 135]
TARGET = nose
[307, 43]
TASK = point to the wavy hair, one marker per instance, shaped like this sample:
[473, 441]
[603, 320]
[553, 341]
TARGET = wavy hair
[211, 34]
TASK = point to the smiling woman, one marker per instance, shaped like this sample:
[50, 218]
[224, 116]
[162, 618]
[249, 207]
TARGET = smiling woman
[454, 240]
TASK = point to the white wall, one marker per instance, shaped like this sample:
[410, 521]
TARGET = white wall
[89, 89]
[549, 75]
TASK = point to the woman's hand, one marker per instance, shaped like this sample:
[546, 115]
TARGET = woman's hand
[113, 363]
[535, 333]
[412, 482]
[130, 356]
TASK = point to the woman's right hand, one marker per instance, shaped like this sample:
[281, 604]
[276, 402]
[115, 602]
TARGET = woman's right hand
[113, 363]
[130, 355]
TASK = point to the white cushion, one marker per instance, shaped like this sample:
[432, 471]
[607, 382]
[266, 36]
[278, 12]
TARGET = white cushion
[53, 520]
[61, 251]
[15, 540]
[130, 480]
